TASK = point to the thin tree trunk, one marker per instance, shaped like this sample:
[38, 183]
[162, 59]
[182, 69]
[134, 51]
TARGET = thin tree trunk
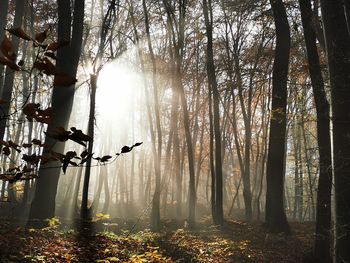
[213, 88]
[84, 213]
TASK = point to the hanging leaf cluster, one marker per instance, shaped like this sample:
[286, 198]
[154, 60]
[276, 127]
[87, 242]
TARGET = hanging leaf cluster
[43, 62]
[33, 111]
[70, 158]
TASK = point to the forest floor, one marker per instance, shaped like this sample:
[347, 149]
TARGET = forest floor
[104, 241]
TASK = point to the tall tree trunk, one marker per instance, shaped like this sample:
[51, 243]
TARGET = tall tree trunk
[10, 73]
[43, 205]
[338, 53]
[276, 220]
[157, 151]
[213, 88]
[322, 250]
[3, 19]
[179, 46]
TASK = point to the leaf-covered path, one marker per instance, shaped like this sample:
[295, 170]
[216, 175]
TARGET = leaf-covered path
[236, 241]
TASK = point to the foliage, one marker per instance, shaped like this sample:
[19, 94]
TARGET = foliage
[101, 216]
[54, 222]
[235, 242]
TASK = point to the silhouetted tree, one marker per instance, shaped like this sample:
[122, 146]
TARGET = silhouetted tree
[43, 205]
[275, 216]
[323, 212]
[217, 200]
[338, 54]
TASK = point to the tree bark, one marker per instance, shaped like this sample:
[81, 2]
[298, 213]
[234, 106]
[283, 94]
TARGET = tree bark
[338, 54]
[276, 220]
[9, 77]
[322, 250]
[213, 88]
[3, 19]
[84, 213]
[43, 205]
[157, 151]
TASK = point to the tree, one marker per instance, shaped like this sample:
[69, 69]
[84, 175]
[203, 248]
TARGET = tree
[178, 26]
[323, 211]
[275, 216]
[7, 88]
[338, 54]
[3, 19]
[43, 205]
[217, 195]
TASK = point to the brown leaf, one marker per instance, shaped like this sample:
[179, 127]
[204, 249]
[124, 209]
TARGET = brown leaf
[30, 110]
[57, 45]
[27, 169]
[19, 32]
[86, 158]
[7, 49]
[46, 66]
[14, 146]
[79, 137]
[105, 158]
[64, 80]
[44, 116]
[126, 149]
[67, 160]
[40, 37]
[3, 101]
[6, 151]
[37, 142]
[50, 67]
[32, 159]
[50, 55]
[4, 143]
[84, 154]
[5, 61]
[58, 133]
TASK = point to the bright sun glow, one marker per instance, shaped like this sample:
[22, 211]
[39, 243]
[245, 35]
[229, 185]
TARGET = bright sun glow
[118, 87]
